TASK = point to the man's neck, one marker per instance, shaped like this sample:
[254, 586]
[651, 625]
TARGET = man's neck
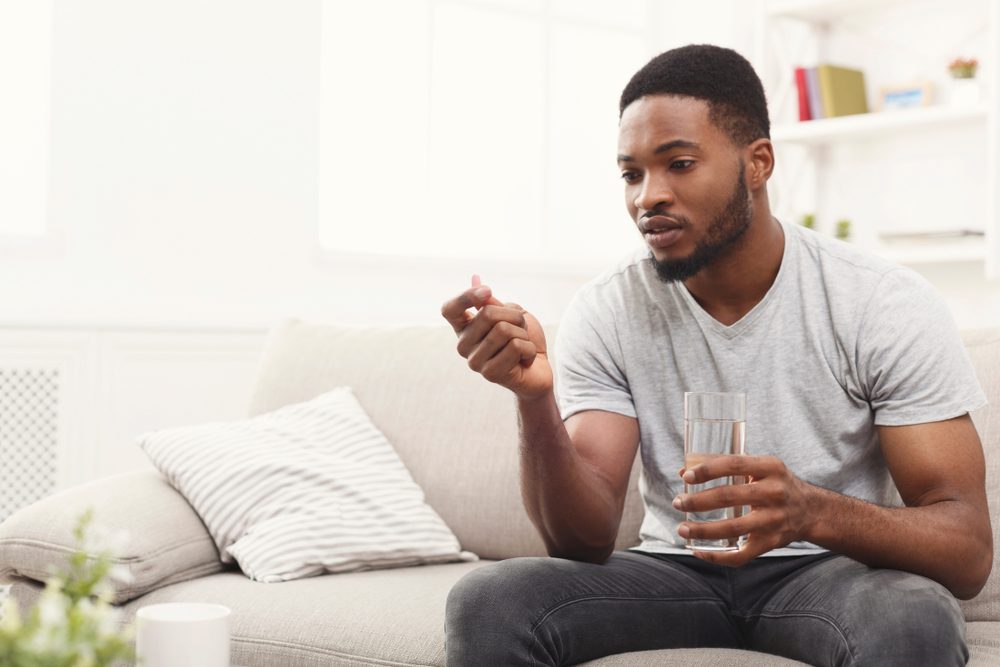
[735, 282]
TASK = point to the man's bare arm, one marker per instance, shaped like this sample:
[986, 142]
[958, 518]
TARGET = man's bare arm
[943, 532]
[574, 476]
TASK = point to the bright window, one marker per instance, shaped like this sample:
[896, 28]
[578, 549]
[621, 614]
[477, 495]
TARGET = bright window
[25, 52]
[462, 128]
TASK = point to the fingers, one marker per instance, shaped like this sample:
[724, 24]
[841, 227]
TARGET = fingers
[754, 525]
[757, 467]
[726, 528]
[730, 495]
[477, 282]
[756, 544]
[477, 327]
[508, 361]
[456, 310]
[497, 338]
[779, 502]
[744, 555]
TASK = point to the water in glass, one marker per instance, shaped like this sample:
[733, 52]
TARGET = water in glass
[705, 439]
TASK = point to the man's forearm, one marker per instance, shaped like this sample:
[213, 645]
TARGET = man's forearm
[571, 505]
[933, 540]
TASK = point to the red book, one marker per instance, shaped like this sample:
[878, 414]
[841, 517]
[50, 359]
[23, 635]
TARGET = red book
[800, 85]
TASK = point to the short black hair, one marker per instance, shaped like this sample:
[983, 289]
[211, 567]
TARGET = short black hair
[721, 77]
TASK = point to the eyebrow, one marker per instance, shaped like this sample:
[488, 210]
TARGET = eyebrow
[663, 148]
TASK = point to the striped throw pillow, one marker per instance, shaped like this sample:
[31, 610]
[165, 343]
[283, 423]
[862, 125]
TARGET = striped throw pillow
[307, 489]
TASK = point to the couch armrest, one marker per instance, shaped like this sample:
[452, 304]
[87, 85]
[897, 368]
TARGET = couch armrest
[167, 542]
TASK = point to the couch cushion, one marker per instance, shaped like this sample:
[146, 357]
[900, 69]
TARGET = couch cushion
[343, 622]
[173, 544]
[984, 349]
[376, 617]
[456, 432]
[309, 488]
[983, 638]
[386, 617]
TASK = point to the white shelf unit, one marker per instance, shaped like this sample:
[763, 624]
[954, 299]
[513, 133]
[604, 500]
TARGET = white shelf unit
[865, 126]
[940, 252]
[777, 56]
[825, 11]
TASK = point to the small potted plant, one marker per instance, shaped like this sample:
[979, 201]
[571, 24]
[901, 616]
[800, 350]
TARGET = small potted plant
[964, 86]
[809, 221]
[73, 624]
[843, 229]
[963, 68]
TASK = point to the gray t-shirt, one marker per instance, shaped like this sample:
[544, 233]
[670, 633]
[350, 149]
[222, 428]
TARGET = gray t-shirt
[842, 342]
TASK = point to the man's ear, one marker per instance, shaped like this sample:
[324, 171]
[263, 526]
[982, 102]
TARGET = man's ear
[760, 163]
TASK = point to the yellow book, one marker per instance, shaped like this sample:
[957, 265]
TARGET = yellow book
[842, 90]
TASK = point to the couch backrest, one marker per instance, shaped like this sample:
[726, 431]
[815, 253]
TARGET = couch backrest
[456, 432]
[984, 349]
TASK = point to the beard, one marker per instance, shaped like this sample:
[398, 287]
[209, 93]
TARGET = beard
[723, 233]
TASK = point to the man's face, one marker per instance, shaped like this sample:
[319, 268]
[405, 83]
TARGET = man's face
[684, 183]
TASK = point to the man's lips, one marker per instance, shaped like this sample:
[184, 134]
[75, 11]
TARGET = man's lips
[658, 223]
[660, 231]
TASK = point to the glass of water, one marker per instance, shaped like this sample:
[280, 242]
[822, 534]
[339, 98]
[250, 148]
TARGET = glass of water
[714, 425]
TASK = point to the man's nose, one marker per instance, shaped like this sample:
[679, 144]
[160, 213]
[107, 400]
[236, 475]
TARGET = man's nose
[654, 193]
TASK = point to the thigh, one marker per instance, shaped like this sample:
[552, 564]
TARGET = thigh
[552, 611]
[841, 612]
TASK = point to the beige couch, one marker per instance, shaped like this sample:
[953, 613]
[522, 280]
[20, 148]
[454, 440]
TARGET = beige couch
[457, 435]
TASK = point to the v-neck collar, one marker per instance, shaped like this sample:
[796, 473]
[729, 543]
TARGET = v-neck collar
[733, 330]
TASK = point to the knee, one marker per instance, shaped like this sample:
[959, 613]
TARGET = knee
[470, 597]
[489, 612]
[915, 621]
[934, 625]
[492, 591]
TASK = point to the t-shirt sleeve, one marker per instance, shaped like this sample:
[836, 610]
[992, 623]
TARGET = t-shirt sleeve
[910, 356]
[589, 368]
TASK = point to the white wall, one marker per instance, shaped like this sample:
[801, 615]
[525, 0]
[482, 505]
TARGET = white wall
[184, 200]
[184, 180]
[184, 162]
[110, 386]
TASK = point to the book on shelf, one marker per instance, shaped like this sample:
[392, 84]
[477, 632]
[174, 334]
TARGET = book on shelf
[812, 92]
[827, 91]
[803, 90]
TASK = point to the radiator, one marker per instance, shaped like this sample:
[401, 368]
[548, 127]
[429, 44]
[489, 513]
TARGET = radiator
[29, 417]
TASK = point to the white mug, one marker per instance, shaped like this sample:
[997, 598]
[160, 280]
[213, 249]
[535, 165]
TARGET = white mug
[182, 634]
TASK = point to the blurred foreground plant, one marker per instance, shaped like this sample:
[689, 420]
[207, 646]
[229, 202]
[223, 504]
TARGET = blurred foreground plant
[73, 624]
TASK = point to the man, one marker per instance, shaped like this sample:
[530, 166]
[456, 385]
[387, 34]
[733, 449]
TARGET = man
[857, 385]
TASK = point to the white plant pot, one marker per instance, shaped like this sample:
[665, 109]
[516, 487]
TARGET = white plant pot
[965, 92]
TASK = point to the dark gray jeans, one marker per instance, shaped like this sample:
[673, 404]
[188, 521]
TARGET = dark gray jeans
[822, 610]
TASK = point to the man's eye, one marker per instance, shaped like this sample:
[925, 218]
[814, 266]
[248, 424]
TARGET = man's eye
[630, 176]
[683, 164]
